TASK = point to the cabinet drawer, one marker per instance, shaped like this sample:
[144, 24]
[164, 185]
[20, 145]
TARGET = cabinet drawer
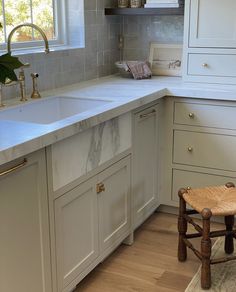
[212, 65]
[184, 178]
[205, 150]
[205, 115]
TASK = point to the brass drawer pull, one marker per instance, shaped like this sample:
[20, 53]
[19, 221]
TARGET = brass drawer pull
[14, 168]
[190, 149]
[191, 115]
[100, 188]
[147, 114]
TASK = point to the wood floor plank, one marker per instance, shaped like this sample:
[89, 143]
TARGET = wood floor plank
[149, 265]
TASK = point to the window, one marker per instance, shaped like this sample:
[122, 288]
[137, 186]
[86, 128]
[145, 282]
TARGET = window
[43, 13]
[61, 20]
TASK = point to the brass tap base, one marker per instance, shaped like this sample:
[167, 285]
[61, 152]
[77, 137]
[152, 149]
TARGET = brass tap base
[35, 95]
[23, 99]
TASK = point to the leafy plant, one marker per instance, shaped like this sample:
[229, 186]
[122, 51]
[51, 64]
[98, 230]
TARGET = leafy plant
[7, 66]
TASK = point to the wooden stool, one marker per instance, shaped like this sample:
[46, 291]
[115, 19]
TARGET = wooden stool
[210, 201]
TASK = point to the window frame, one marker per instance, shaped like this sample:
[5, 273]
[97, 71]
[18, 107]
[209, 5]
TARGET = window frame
[60, 32]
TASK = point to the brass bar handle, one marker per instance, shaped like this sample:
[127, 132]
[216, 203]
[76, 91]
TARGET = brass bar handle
[14, 168]
[147, 114]
[100, 188]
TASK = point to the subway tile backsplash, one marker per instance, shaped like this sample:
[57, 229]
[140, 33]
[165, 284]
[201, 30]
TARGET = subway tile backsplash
[140, 31]
[66, 67]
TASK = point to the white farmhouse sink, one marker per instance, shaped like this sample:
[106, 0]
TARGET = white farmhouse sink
[50, 110]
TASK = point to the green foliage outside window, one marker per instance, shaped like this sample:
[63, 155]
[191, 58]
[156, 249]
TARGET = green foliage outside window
[39, 12]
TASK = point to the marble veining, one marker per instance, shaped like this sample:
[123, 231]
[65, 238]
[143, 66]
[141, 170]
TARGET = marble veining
[115, 134]
[18, 139]
[81, 153]
[95, 148]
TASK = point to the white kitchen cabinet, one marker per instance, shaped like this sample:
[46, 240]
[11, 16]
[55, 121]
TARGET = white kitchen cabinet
[202, 136]
[211, 115]
[212, 24]
[204, 150]
[76, 225]
[145, 164]
[210, 41]
[114, 203]
[25, 264]
[89, 220]
[214, 65]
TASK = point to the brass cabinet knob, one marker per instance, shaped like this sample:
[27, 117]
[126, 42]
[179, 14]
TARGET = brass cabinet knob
[191, 115]
[188, 188]
[100, 188]
[204, 65]
[190, 149]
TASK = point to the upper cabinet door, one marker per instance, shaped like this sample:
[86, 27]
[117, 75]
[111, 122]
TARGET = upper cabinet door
[212, 23]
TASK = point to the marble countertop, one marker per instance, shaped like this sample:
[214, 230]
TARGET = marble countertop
[20, 138]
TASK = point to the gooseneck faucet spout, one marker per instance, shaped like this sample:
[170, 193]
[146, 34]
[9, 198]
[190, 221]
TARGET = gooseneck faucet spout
[30, 25]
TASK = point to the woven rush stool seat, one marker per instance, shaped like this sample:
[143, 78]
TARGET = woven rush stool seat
[208, 202]
[220, 200]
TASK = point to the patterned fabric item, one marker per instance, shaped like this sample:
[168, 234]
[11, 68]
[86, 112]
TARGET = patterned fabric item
[139, 69]
[223, 276]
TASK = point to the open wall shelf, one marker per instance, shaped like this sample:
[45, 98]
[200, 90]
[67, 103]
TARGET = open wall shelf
[144, 11]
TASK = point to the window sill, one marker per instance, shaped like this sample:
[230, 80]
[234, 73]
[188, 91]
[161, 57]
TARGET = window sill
[30, 51]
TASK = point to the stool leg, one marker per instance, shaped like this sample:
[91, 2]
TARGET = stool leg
[229, 240]
[182, 227]
[206, 250]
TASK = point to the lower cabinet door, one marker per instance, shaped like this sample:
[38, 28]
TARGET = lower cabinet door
[76, 228]
[145, 164]
[113, 190]
[25, 264]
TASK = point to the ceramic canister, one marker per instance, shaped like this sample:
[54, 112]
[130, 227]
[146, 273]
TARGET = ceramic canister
[123, 3]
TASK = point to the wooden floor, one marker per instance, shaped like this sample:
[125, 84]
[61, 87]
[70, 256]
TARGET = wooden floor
[149, 265]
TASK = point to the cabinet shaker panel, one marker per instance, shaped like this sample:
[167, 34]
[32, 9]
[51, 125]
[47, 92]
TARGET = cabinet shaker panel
[213, 23]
